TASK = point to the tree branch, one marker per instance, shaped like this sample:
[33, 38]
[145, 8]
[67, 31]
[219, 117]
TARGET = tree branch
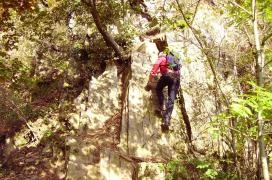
[19, 112]
[136, 159]
[265, 39]
[136, 6]
[238, 5]
[198, 2]
[203, 50]
[267, 63]
[44, 3]
[106, 36]
[248, 37]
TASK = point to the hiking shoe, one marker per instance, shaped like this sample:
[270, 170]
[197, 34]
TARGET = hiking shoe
[158, 113]
[166, 121]
[148, 87]
[164, 127]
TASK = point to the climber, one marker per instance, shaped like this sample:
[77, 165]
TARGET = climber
[169, 67]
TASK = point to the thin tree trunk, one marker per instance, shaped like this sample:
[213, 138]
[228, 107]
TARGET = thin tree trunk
[106, 36]
[185, 116]
[259, 77]
[124, 62]
[202, 44]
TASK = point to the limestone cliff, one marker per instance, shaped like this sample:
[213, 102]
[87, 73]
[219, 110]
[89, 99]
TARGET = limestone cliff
[142, 146]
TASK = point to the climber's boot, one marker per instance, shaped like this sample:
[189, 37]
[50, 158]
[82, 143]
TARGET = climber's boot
[164, 128]
[165, 124]
[159, 111]
[167, 121]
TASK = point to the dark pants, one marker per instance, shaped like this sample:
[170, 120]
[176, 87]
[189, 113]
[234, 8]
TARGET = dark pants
[173, 84]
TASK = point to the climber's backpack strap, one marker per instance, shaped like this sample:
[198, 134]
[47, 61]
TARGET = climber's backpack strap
[173, 61]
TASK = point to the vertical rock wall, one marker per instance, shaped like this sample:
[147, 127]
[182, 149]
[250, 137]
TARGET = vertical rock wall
[96, 107]
[142, 147]
[141, 135]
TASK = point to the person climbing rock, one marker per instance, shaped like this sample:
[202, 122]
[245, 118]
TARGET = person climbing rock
[169, 66]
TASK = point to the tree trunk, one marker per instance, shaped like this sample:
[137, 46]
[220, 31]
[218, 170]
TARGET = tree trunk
[124, 62]
[106, 36]
[259, 77]
[185, 116]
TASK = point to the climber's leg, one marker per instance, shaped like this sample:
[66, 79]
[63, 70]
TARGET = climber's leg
[173, 87]
[159, 90]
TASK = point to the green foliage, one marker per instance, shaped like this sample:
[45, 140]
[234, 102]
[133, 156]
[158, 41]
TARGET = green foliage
[239, 109]
[48, 133]
[268, 55]
[244, 111]
[206, 167]
[174, 24]
[265, 8]
[174, 168]
[16, 74]
[211, 173]
[242, 15]
[111, 11]
[4, 72]
[270, 154]
[196, 168]
[210, 169]
[15, 5]
[259, 100]
[242, 12]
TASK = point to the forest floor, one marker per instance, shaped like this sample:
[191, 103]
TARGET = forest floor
[50, 158]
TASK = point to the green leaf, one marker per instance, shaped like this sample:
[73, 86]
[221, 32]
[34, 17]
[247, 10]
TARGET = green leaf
[240, 110]
[211, 173]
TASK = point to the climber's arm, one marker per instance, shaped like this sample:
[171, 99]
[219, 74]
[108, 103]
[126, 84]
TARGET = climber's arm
[153, 73]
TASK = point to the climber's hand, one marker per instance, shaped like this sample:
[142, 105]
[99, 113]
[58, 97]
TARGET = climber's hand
[148, 86]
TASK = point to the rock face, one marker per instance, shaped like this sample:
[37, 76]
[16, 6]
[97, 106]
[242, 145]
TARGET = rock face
[95, 128]
[130, 144]
[142, 146]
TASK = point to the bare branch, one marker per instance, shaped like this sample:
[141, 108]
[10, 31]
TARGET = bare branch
[198, 2]
[238, 5]
[18, 112]
[267, 63]
[44, 3]
[248, 37]
[203, 50]
[136, 159]
[265, 39]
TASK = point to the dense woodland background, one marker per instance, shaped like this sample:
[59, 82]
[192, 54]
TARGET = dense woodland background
[51, 49]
